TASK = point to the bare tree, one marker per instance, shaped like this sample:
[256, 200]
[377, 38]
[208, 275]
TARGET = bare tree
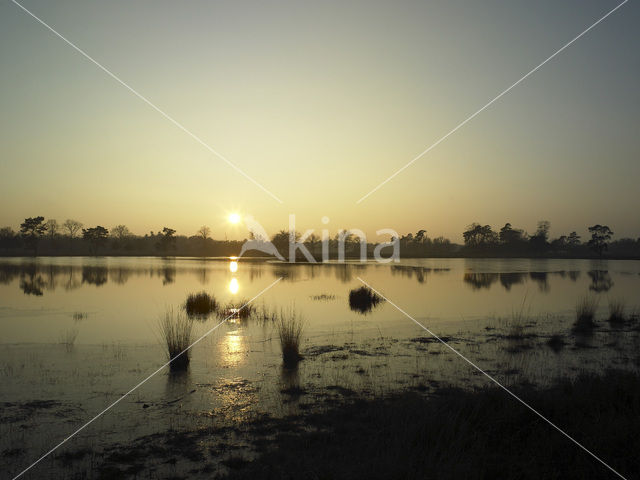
[52, 227]
[204, 232]
[72, 227]
[120, 232]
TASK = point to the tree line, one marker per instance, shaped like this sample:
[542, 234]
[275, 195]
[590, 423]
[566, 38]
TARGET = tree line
[38, 236]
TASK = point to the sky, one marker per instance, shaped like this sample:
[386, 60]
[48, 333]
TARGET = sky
[319, 102]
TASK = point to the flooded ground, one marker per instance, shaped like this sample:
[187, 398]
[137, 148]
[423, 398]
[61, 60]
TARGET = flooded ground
[78, 333]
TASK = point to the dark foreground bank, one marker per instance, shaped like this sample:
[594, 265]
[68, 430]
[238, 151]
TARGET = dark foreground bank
[449, 434]
[457, 434]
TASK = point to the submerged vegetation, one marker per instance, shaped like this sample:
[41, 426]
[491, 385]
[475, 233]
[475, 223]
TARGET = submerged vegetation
[200, 305]
[289, 326]
[68, 338]
[363, 299]
[177, 333]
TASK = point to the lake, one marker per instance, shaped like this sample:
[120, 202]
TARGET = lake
[110, 308]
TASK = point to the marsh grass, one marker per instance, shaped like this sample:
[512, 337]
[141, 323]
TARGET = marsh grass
[585, 315]
[517, 323]
[176, 331]
[363, 299]
[290, 326]
[617, 309]
[78, 316]
[68, 338]
[237, 310]
[200, 305]
[264, 315]
[323, 297]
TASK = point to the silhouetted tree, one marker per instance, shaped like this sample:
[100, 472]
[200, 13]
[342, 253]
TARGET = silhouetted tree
[32, 229]
[204, 232]
[120, 234]
[540, 240]
[510, 236]
[52, 228]
[477, 235]
[8, 238]
[167, 240]
[96, 236]
[600, 236]
[281, 241]
[573, 239]
[203, 235]
[72, 227]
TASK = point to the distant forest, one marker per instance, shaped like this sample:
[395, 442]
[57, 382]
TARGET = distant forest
[40, 237]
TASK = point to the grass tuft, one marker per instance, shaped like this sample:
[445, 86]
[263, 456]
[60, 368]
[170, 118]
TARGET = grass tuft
[237, 310]
[617, 309]
[177, 333]
[290, 327]
[363, 299]
[585, 315]
[200, 305]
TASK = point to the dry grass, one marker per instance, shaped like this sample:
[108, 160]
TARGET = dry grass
[585, 315]
[177, 332]
[617, 309]
[290, 327]
[200, 305]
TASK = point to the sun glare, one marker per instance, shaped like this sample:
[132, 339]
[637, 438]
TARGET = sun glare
[234, 218]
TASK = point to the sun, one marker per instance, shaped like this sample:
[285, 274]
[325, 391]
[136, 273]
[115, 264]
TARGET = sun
[234, 218]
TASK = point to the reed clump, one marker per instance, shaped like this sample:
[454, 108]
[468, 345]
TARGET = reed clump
[237, 310]
[200, 305]
[363, 299]
[176, 330]
[290, 326]
[617, 309]
[585, 315]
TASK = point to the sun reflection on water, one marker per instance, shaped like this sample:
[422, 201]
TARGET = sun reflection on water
[233, 349]
[234, 286]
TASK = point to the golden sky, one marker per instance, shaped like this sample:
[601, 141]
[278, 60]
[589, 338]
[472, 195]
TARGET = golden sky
[319, 102]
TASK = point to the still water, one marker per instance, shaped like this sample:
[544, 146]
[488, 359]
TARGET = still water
[120, 299]
[110, 307]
